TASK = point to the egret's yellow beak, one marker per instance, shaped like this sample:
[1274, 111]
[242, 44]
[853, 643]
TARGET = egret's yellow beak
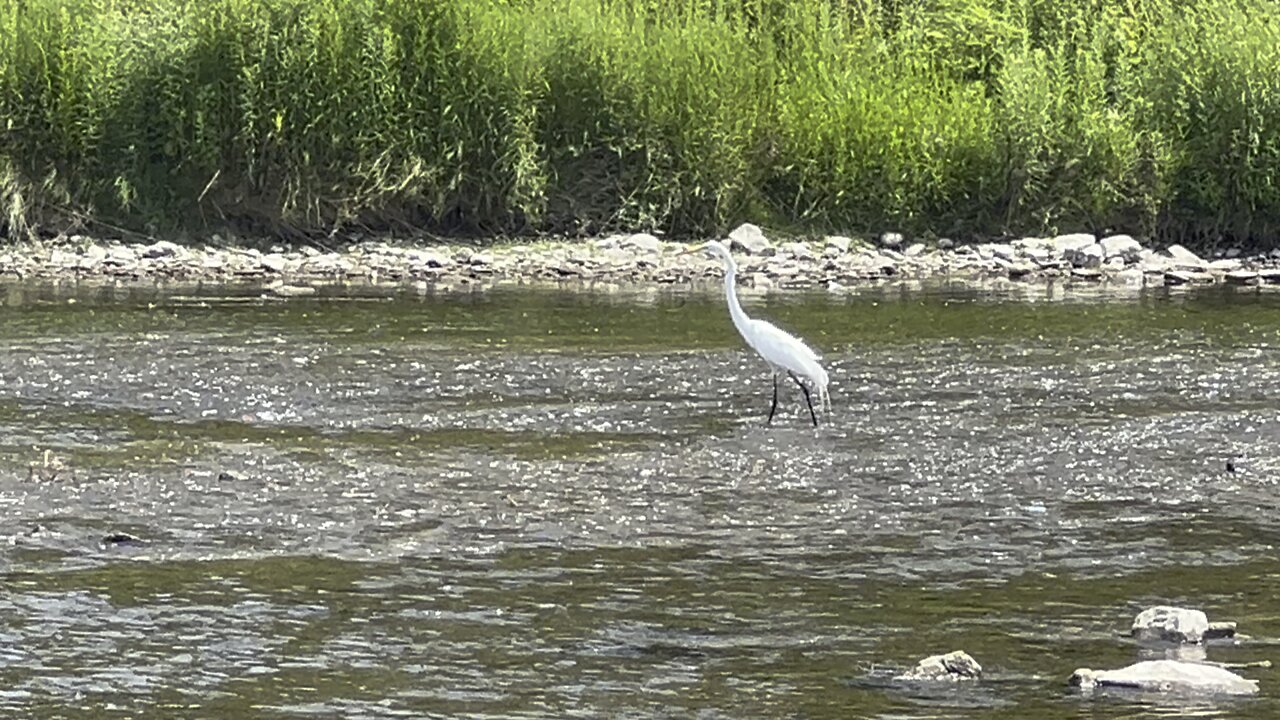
[690, 250]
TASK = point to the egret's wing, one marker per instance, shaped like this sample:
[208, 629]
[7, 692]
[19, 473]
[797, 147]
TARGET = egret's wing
[782, 348]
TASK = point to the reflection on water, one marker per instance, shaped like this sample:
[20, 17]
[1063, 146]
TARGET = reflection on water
[535, 504]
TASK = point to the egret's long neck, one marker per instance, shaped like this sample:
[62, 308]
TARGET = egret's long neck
[731, 295]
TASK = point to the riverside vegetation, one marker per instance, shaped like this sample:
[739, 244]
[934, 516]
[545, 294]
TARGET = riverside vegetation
[964, 118]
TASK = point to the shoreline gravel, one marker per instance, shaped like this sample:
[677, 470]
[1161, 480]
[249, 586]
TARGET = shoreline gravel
[834, 263]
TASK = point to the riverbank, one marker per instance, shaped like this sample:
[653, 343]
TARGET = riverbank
[831, 263]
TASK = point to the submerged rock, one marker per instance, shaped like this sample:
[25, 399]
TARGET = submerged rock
[1166, 676]
[119, 538]
[955, 665]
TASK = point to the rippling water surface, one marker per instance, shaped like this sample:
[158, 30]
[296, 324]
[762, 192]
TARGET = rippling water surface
[541, 504]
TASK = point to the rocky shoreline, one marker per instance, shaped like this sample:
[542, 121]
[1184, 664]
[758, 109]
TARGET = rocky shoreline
[833, 263]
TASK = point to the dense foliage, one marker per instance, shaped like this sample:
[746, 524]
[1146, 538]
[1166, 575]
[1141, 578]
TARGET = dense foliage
[963, 117]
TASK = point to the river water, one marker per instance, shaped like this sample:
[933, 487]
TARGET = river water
[532, 503]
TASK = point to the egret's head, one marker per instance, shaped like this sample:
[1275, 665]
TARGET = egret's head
[713, 248]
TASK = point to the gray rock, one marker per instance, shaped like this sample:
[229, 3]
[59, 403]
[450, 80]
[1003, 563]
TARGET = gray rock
[946, 243]
[643, 242]
[1038, 254]
[1064, 243]
[914, 250]
[799, 251]
[751, 240]
[1271, 277]
[1004, 251]
[836, 243]
[430, 259]
[1130, 276]
[275, 262]
[63, 259]
[891, 240]
[1019, 269]
[161, 249]
[1174, 624]
[292, 290]
[1225, 265]
[618, 257]
[1242, 277]
[213, 260]
[1152, 263]
[1232, 252]
[1085, 256]
[93, 257]
[953, 666]
[1184, 258]
[120, 255]
[1186, 277]
[1220, 630]
[1166, 676]
[1121, 246]
[479, 259]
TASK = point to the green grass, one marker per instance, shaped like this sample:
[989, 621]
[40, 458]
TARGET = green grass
[958, 117]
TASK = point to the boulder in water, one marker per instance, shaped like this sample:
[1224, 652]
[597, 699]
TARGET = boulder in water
[1180, 625]
[955, 665]
[1173, 624]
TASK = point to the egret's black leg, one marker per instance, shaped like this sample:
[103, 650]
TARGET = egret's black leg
[774, 407]
[808, 401]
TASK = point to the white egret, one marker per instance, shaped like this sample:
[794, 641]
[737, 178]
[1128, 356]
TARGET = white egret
[783, 351]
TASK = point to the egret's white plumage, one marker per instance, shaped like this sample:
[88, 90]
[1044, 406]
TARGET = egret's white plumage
[783, 351]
